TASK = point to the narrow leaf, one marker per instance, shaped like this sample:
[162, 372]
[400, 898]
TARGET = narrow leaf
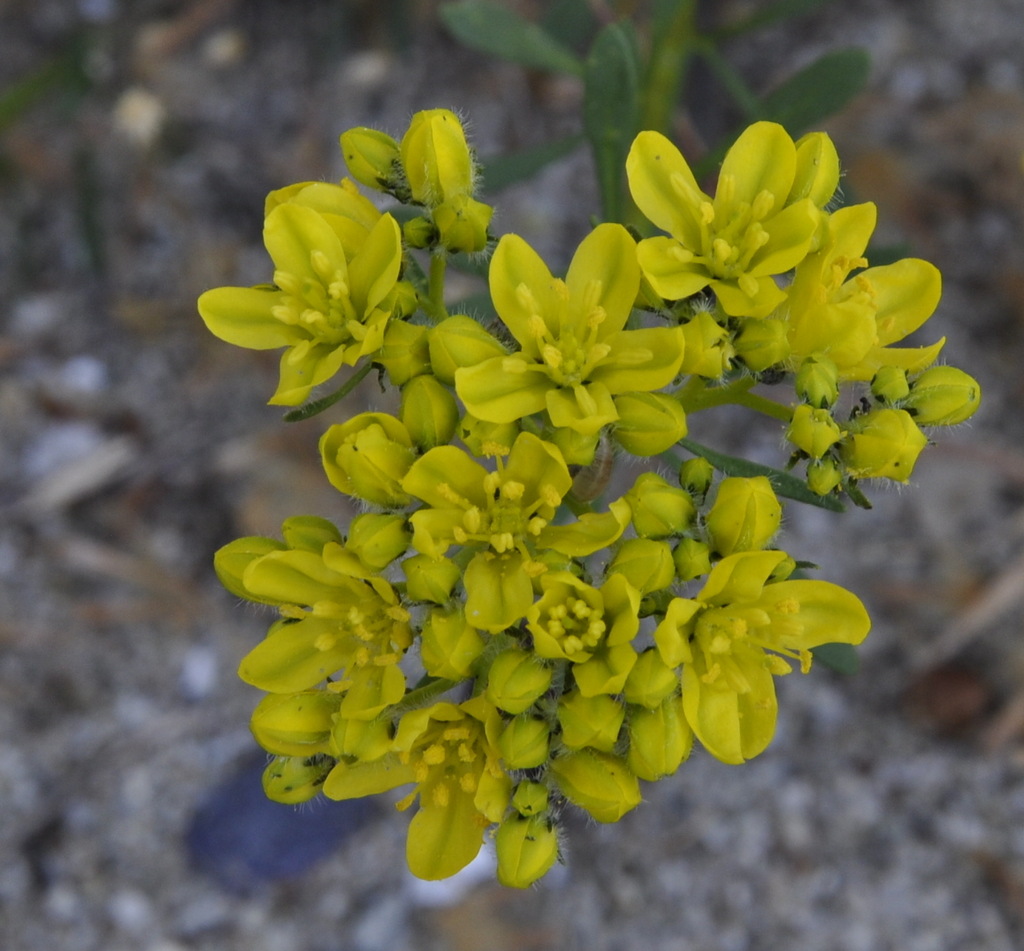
[818, 90]
[842, 658]
[611, 110]
[784, 484]
[494, 29]
[782, 10]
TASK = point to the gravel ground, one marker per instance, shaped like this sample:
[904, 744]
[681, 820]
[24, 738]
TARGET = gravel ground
[888, 814]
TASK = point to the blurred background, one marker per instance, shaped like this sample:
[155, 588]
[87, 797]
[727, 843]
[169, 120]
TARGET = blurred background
[138, 139]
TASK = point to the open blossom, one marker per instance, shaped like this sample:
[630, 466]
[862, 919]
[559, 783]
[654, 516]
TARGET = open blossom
[736, 635]
[761, 222]
[575, 354]
[336, 265]
[504, 517]
[853, 319]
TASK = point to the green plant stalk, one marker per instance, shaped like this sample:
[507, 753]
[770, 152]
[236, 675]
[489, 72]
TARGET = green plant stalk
[435, 286]
[696, 396]
[672, 45]
[318, 406]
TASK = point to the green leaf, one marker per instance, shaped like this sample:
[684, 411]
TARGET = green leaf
[494, 29]
[783, 10]
[818, 90]
[842, 658]
[611, 110]
[784, 484]
[504, 170]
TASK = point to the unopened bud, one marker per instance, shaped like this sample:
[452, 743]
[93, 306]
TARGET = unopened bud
[599, 783]
[645, 563]
[368, 457]
[660, 510]
[296, 724]
[429, 411]
[659, 739]
[516, 681]
[745, 516]
[372, 158]
[524, 742]
[883, 444]
[817, 382]
[648, 423]
[692, 559]
[430, 579]
[449, 646]
[813, 431]
[460, 341]
[295, 779]
[943, 396]
[526, 849]
[436, 157]
[890, 385]
[590, 721]
[762, 343]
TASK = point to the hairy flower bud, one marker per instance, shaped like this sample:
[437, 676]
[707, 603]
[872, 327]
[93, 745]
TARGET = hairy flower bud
[817, 381]
[659, 509]
[645, 563]
[659, 739]
[449, 646]
[648, 423]
[889, 385]
[590, 721]
[745, 516]
[516, 681]
[429, 411]
[943, 396]
[368, 457]
[696, 475]
[430, 579]
[460, 341]
[378, 539]
[762, 343]
[600, 783]
[524, 742]
[526, 849]
[530, 798]
[372, 158]
[295, 779]
[650, 681]
[692, 559]
[813, 431]
[823, 476]
[462, 223]
[707, 351]
[436, 157]
[883, 444]
[296, 724]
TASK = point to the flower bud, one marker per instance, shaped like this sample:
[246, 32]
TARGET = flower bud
[530, 799]
[372, 158]
[378, 539]
[645, 563]
[526, 850]
[405, 353]
[691, 558]
[708, 352]
[430, 579]
[943, 396]
[650, 681]
[823, 476]
[577, 449]
[230, 562]
[296, 724]
[590, 721]
[817, 381]
[648, 423]
[601, 784]
[813, 431]
[659, 739]
[890, 385]
[429, 411]
[419, 232]
[460, 341]
[295, 779]
[309, 533]
[461, 224]
[436, 158]
[524, 743]
[883, 444]
[696, 475]
[368, 457]
[745, 516]
[659, 509]
[762, 343]
[366, 740]
[516, 681]
[449, 646]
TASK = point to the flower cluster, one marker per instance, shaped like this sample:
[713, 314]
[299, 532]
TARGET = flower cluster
[485, 632]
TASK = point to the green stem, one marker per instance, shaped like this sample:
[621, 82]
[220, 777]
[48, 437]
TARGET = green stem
[318, 406]
[731, 79]
[696, 396]
[421, 696]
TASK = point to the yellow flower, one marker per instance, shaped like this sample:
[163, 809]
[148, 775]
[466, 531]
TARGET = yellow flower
[334, 289]
[574, 353]
[503, 516]
[736, 635]
[591, 627]
[450, 752]
[852, 320]
[735, 243]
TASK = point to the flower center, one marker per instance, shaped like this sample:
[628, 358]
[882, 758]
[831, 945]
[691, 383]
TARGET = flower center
[576, 626]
